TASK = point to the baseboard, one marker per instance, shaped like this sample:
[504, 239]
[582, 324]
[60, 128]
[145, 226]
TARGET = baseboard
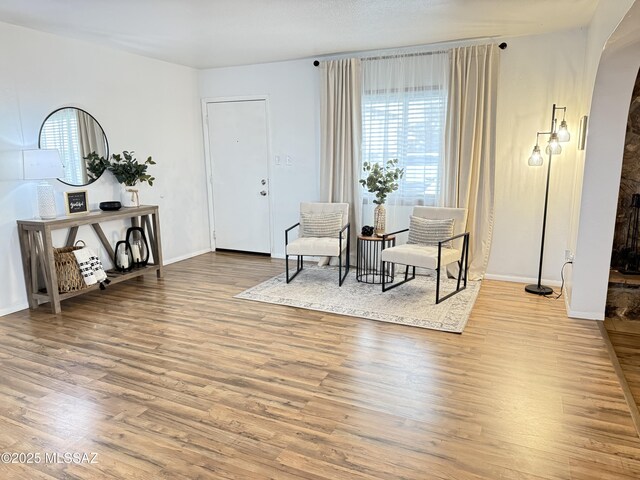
[514, 279]
[580, 315]
[187, 256]
[14, 308]
[584, 315]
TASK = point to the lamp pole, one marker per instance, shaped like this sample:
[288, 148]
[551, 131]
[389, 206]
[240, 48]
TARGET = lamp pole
[539, 289]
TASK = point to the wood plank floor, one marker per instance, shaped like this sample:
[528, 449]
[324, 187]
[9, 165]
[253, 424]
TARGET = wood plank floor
[625, 339]
[177, 379]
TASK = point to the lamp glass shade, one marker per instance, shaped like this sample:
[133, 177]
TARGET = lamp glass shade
[535, 160]
[563, 132]
[554, 145]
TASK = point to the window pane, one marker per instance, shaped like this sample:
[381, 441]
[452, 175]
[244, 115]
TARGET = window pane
[61, 131]
[408, 126]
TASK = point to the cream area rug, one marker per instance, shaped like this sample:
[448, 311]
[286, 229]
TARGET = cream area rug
[316, 288]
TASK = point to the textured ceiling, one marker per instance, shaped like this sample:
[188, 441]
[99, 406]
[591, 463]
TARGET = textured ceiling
[214, 33]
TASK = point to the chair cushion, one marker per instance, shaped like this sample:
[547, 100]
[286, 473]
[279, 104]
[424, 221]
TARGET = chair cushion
[425, 231]
[316, 246]
[320, 224]
[425, 256]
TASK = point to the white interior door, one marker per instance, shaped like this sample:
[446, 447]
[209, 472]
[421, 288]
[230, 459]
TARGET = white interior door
[238, 151]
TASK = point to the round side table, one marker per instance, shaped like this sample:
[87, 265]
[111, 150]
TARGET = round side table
[368, 261]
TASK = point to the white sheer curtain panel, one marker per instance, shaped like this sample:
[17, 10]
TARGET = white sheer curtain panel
[404, 99]
[470, 158]
[340, 130]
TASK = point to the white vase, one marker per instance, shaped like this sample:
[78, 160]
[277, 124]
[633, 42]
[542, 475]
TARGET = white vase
[46, 201]
[379, 220]
[129, 196]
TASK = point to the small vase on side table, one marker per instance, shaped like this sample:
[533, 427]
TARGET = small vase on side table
[129, 196]
[379, 220]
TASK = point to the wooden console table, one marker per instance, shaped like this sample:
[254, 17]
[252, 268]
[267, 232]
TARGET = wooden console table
[37, 250]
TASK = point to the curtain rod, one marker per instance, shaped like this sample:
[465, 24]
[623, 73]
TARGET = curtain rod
[502, 46]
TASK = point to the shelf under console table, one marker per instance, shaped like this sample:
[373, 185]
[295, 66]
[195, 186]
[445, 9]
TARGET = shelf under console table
[36, 246]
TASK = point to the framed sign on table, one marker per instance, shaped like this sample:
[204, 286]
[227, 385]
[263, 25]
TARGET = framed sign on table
[76, 202]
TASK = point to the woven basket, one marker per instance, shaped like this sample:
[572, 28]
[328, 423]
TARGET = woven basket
[69, 276]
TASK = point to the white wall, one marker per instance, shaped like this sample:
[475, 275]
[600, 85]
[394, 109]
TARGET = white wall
[535, 72]
[605, 19]
[143, 105]
[616, 75]
[293, 92]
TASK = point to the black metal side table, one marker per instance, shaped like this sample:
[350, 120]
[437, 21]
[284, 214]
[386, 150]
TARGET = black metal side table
[368, 261]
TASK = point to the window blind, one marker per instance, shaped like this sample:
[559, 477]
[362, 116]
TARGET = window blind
[61, 131]
[409, 126]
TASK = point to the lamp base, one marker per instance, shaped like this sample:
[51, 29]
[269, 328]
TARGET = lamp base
[538, 289]
[46, 201]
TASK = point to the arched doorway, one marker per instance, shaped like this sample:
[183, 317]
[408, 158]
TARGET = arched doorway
[617, 72]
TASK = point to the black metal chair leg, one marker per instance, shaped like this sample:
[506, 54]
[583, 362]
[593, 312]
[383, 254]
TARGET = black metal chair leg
[286, 267]
[394, 285]
[348, 249]
[382, 263]
[341, 278]
[466, 262]
[299, 266]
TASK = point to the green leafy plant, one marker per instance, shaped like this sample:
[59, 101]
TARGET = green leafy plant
[96, 165]
[128, 170]
[381, 179]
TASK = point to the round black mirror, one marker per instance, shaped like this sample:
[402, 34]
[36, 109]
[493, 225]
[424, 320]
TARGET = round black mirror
[81, 142]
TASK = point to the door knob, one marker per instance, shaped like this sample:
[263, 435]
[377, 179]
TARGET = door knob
[263, 193]
[263, 181]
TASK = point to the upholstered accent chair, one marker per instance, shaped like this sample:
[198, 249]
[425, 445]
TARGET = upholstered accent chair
[437, 238]
[323, 231]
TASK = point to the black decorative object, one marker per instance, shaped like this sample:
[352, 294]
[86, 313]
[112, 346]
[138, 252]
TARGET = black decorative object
[137, 240]
[122, 258]
[367, 231]
[110, 206]
[630, 255]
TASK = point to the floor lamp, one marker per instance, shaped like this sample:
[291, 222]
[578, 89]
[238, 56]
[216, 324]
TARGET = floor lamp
[556, 134]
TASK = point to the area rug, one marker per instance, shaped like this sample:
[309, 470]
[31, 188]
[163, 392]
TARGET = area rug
[316, 288]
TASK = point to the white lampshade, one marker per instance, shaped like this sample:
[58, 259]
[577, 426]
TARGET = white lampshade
[42, 164]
